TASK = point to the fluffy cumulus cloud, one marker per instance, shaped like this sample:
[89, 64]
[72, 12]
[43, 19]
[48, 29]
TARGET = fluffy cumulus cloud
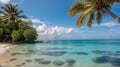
[4, 1]
[46, 32]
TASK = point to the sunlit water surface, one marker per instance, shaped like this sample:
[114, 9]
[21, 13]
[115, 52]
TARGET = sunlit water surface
[82, 52]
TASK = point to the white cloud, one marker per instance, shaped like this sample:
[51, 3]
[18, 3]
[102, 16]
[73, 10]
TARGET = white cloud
[4, 1]
[108, 24]
[34, 20]
[45, 32]
[37, 21]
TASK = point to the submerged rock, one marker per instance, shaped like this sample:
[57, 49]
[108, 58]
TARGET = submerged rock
[101, 52]
[45, 62]
[18, 65]
[28, 60]
[57, 53]
[13, 59]
[70, 62]
[115, 61]
[103, 59]
[58, 48]
[109, 53]
[48, 53]
[58, 63]
[32, 50]
[106, 59]
[118, 51]
[13, 54]
[80, 53]
[38, 60]
[22, 63]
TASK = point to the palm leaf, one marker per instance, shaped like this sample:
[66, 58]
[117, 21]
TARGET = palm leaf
[81, 19]
[111, 2]
[77, 8]
[90, 21]
[98, 17]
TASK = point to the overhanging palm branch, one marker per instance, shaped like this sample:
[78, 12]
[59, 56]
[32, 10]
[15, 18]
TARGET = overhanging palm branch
[93, 9]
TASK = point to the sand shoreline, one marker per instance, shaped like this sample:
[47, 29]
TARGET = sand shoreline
[6, 46]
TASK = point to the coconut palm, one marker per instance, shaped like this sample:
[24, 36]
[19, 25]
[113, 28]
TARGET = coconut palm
[93, 9]
[11, 12]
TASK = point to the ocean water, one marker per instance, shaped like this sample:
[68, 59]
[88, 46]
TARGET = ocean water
[83, 53]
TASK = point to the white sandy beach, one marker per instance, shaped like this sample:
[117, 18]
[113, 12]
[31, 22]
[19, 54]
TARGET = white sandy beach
[5, 46]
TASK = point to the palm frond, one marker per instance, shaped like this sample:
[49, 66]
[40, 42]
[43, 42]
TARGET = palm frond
[81, 19]
[98, 17]
[90, 21]
[77, 8]
[22, 16]
[19, 12]
[3, 13]
[84, 0]
[111, 2]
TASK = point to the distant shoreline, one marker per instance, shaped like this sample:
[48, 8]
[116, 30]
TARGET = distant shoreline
[4, 46]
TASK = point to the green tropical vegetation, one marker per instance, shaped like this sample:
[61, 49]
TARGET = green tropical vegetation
[93, 10]
[12, 26]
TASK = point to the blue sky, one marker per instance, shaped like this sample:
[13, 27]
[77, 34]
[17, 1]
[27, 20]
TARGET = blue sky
[52, 21]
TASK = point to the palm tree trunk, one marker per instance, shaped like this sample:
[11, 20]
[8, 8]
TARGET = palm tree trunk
[112, 14]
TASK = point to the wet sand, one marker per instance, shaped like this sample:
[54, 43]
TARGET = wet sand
[4, 53]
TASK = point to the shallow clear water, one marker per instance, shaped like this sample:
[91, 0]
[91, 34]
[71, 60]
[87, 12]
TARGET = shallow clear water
[83, 52]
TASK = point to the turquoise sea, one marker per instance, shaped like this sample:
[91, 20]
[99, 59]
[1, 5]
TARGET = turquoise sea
[65, 53]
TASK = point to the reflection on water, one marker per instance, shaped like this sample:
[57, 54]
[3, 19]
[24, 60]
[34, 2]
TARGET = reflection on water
[64, 54]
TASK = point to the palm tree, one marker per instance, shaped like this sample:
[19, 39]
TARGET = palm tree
[11, 12]
[93, 9]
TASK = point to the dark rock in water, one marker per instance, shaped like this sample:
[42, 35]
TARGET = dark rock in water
[80, 53]
[102, 52]
[109, 53]
[106, 59]
[34, 51]
[15, 54]
[31, 50]
[20, 54]
[58, 63]
[70, 61]
[45, 62]
[116, 54]
[49, 53]
[118, 51]
[38, 60]
[22, 63]
[58, 48]
[57, 53]
[18, 65]
[115, 61]
[103, 59]
[28, 60]
[13, 59]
